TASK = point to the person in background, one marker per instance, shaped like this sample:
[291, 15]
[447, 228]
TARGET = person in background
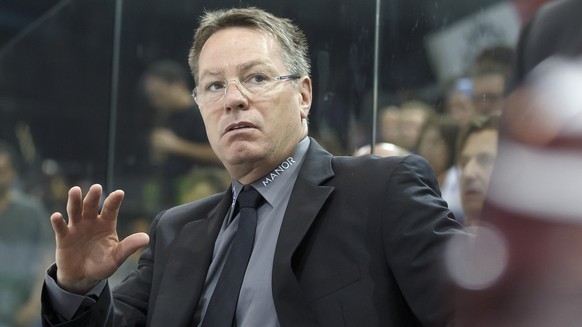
[477, 150]
[437, 144]
[339, 241]
[25, 242]
[533, 212]
[489, 88]
[383, 149]
[489, 75]
[389, 125]
[202, 183]
[552, 31]
[495, 55]
[413, 115]
[178, 140]
[459, 101]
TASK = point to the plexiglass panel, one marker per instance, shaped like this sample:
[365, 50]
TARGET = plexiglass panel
[74, 81]
[98, 91]
[55, 85]
[77, 103]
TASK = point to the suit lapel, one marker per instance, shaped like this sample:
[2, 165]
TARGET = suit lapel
[307, 199]
[184, 276]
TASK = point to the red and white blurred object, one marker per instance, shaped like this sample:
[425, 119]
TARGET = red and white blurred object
[532, 232]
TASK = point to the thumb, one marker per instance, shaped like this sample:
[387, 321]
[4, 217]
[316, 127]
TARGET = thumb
[130, 244]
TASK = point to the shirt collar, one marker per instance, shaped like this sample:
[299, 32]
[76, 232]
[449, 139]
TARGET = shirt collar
[270, 184]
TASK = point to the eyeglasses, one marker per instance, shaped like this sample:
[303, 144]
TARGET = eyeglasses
[253, 84]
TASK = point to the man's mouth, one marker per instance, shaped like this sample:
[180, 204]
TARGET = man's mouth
[238, 126]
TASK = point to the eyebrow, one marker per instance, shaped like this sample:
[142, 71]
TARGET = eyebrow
[240, 68]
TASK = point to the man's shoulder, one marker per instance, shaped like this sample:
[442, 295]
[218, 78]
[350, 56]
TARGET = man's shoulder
[374, 169]
[371, 161]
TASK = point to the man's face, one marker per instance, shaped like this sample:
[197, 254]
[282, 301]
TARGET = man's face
[251, 132]
[476, 161]
[488, 93]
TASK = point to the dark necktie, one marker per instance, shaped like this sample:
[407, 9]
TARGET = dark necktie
[222, 306]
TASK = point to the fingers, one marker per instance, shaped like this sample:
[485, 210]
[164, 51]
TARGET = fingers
[111, 205]
[59, 225]
[88, 208]
[78, 208]
[91, 201]
[74, 204]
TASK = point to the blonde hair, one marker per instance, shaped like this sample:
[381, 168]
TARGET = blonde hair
[291, 39]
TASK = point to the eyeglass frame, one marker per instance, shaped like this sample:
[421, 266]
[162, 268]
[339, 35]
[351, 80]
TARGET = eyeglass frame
[237, 81]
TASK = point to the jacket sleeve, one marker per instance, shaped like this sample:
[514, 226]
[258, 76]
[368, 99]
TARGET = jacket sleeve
[415, 241]
[125, 306]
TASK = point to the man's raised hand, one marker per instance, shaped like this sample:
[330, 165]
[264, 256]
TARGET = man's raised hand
[88, 248]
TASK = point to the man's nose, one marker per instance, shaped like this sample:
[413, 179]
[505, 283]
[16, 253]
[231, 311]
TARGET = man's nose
[236, 83]
[234, 96]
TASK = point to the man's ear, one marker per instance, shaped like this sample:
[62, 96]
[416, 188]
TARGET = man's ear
[306, 95]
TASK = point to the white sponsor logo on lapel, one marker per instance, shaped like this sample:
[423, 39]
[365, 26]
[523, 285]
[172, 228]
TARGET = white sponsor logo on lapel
[278, 171]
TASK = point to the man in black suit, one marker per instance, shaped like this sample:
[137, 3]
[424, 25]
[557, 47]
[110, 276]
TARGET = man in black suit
[340, 241]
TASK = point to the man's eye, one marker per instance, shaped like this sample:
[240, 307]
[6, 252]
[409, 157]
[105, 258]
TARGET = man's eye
[256, 79]
[213, 87]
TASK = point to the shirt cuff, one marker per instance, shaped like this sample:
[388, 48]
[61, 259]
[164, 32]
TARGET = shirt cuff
[65, 303]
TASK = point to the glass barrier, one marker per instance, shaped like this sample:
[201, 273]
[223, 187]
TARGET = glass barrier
[98, 91]
[77, 102]
[55, 87]
[76, 99]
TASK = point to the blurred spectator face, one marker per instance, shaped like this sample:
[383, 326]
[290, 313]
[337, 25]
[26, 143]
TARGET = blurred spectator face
[459, 101]
[160, 92]
[411, 121]
[488, 93]
[476, 162]
[389, 120]
[461, 107]
[7, 174]
[433, 148]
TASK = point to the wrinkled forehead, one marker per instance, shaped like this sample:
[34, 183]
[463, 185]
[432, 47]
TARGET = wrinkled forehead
[236, 49]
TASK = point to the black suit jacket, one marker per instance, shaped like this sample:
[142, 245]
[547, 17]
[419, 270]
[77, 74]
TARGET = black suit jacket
[360, 245]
